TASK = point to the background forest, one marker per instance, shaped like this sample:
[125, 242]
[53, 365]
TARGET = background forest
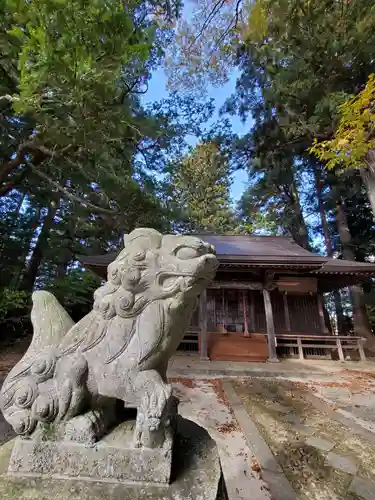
[83, 159]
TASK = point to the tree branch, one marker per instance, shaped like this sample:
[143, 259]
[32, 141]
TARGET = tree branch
[232, 23]
[68, 194]
[23, 149]
[14, 181]
[217, 6]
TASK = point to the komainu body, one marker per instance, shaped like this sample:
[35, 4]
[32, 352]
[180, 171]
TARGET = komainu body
[77, 373]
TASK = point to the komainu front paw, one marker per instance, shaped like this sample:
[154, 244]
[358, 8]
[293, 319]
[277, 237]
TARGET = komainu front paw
[153, 411]
[153, 404]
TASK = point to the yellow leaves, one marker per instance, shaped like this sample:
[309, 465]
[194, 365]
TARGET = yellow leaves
[257, 27]
[355, 135]
[342, 142]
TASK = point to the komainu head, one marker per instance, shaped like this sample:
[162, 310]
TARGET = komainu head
[155, 267]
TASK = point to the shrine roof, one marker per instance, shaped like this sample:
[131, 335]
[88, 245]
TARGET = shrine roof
[340, 266]
[260, 251]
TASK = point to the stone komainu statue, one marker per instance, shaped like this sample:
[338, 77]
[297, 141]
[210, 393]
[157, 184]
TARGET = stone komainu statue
[76, 373]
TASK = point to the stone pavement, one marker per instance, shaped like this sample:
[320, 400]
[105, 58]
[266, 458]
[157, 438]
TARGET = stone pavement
[300, 441]
[205, 402]
[352, 397]
[270, 469]
[309, 424]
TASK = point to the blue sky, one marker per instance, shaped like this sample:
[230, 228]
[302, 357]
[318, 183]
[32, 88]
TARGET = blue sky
[158, 90]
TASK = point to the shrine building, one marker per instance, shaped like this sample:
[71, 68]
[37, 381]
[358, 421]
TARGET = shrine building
[267, 301]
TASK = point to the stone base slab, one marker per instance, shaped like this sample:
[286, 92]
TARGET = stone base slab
[196, 475]
[113, 458]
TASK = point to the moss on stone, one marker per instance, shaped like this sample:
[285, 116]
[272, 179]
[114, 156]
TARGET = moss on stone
[197, 475]
[47, 431]
[5, 452]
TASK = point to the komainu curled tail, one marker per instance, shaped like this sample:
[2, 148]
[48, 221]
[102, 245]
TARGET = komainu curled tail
[30, 392]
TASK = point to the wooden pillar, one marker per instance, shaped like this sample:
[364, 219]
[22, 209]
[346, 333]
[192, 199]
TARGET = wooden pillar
[239, 300]
[300, 348]
[246, 326]
[340, 349]
[361, 350]
[203, 325]
[272, 355]
[252, 311]
[224, 311]
[214, 311]
[321, 314]
[286, 312]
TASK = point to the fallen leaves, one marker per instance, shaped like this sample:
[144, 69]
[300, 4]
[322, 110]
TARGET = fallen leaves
[228, 427]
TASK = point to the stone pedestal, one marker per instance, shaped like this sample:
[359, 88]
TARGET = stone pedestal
[113, 458]
[195, 475]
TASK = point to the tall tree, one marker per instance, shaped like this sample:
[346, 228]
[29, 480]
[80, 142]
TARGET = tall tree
[199, 191]
[360, 319]
[72, 73]
[353, 145]
[275, 175]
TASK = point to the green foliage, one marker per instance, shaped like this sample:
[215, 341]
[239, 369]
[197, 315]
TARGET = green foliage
[256, 27]
[14, 307]
[75, 71]
[262, 223]
[79, 153]
[354, 136]
[304, 64]
[297, 67]
[17, 229]
[10, 301]
[300, 63]
[73, 56]
[78, 150]
[75, 291]
[260, 213]
[199, 191]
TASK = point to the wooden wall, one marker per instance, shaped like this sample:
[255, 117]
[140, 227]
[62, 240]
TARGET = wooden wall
[304, 313]
[228, 308]
[278, 310]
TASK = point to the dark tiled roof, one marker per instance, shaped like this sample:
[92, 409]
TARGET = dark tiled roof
[333, 266]
[261, 251]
